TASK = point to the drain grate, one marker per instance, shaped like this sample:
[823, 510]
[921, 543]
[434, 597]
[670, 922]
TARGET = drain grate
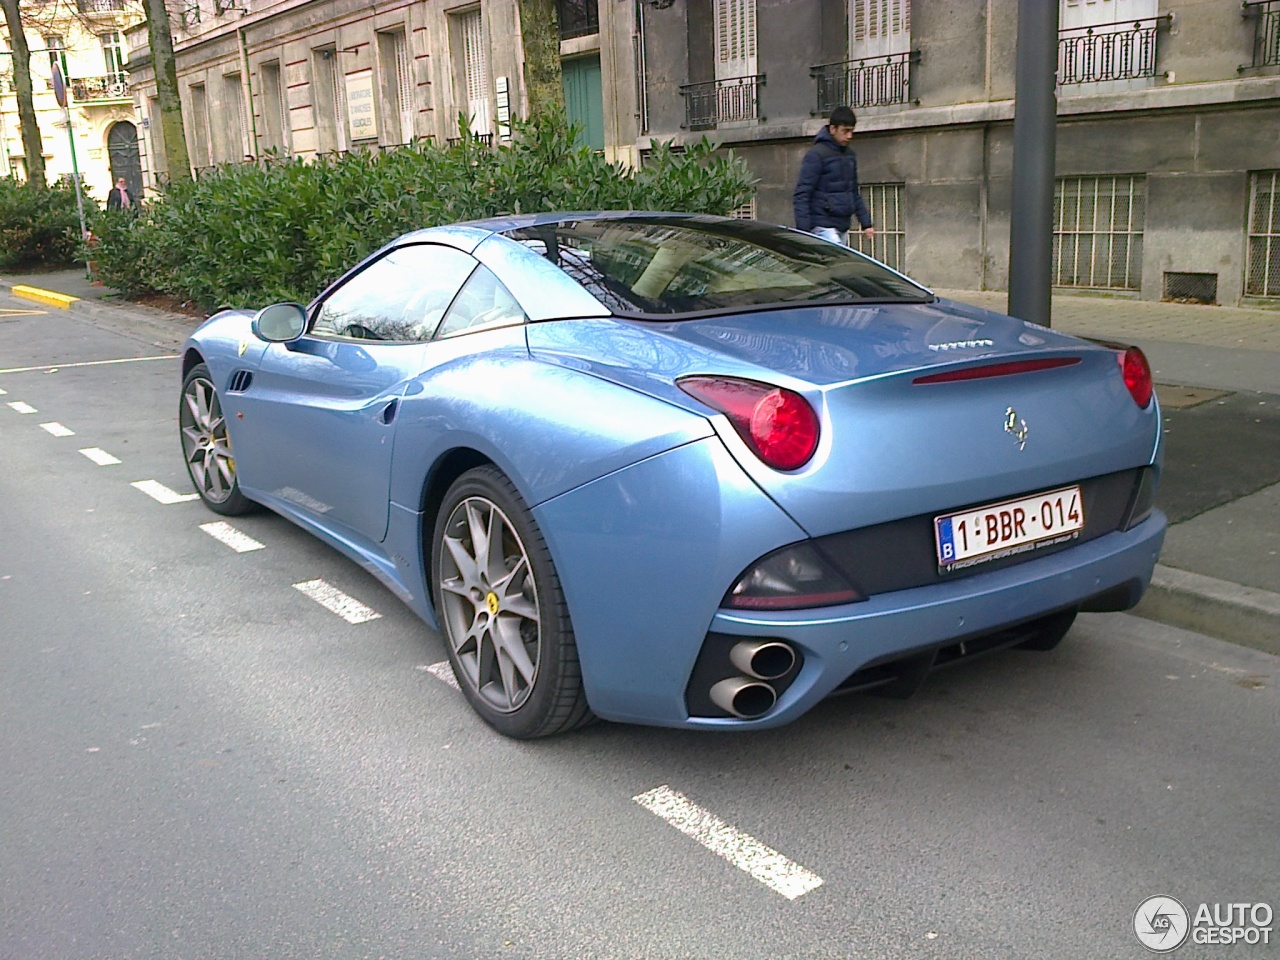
[1191, 287]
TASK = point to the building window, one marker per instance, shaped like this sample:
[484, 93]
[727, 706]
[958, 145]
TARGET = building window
[1262, 270]
[329, 101]
[879, 28]
[113, 55]
[397, 86]
[735, 39]
[884, 200]
[57, 48]
[475, 70]
[578, 18]
[745, 211]
[200, 127]
[1097, 232]
[275, 107]
[237, 138]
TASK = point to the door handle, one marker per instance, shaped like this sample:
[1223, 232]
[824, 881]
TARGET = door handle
[389, 411]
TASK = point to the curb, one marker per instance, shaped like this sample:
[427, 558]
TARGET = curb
[48, 297]
[1243, 615]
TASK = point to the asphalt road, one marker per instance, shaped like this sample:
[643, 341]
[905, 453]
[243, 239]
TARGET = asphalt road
[197, 760]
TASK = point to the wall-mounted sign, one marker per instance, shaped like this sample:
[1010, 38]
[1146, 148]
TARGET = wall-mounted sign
[362, 122]
[504, 109]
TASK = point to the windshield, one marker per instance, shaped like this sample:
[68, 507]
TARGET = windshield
[673, 267]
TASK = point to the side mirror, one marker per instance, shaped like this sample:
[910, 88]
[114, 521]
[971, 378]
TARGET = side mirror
[280, 322]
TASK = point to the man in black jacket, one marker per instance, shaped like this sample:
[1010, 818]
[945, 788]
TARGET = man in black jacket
[826, 197]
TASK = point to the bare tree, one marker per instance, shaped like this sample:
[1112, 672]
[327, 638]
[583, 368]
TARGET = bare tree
[172, 131]
[540, 34]
[32, 145]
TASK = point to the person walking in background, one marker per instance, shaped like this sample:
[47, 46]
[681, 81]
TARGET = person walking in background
[118, 196]
[826, 198]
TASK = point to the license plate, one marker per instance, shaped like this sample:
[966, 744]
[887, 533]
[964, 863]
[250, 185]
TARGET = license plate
[1003, 529]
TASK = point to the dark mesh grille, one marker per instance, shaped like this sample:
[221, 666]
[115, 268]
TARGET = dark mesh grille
[903, 554]
[1193, 287]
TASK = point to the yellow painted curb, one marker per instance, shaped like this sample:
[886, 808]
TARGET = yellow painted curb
[62, 300]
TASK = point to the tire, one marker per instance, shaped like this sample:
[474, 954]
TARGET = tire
[502, 613]
[1048, 632]
[206, 446]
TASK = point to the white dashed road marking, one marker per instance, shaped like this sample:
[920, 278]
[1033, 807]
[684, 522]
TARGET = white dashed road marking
[3, 393]
[746, 853]
[443, 672]
[87, 363]
[99, 456]
[335, 601]
[233, 538]
[21, 407]
[57, 429]
[159, 492]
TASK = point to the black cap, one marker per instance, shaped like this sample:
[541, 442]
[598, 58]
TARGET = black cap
[843, 117]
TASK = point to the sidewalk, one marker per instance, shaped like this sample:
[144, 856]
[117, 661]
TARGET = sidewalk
[1218, 379]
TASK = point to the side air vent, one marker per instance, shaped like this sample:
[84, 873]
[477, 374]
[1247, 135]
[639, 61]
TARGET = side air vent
[240, 381]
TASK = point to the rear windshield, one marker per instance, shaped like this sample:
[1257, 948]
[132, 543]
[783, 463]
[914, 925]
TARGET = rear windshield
[668, 267]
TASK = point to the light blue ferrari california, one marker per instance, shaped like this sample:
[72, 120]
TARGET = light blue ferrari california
[683, 470]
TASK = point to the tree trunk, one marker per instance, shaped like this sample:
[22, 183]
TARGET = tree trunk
[540, 34]
[32, 145]
[166, 71]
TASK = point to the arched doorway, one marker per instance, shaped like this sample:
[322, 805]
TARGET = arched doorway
[122, 148]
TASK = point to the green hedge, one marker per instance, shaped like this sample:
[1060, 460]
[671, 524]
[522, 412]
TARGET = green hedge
[39, 227]
[281, 229]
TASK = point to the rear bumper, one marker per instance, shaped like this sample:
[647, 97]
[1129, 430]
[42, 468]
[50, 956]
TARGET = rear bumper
[1115, 569]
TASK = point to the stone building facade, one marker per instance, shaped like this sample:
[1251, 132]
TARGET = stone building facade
[306, 77]
[86, 38]
[1168, 139]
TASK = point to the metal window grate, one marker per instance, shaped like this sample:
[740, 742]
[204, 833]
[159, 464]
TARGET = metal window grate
[1191, 287]
[889, 246]
[578, 18]
[1262, 270]
[404, 84]
[1097, 232]
[746, 211]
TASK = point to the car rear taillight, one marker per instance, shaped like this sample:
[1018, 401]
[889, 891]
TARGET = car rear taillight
[1137, 375]
[793, 578]
[778, 425]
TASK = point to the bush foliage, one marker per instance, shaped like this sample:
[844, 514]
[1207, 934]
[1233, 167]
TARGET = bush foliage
[39, 227]
[281, 229]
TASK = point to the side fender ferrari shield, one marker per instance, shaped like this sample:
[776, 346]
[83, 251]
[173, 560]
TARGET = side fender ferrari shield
[644, 555]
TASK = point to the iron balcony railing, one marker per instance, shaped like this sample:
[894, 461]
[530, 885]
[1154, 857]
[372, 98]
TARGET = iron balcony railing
[112, 86]
[578, 18]
[1266, 32]
[721, 101]
[99, 6]
[484, 139]
[1109, 51]
[868, 82]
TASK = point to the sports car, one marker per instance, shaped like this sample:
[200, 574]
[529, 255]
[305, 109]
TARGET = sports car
[683, 470]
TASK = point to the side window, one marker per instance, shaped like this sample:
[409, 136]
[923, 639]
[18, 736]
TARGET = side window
[483, 302]
[401, 297]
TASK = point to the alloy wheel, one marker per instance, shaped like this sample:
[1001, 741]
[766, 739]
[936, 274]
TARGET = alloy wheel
[490, 603]
[205, 442]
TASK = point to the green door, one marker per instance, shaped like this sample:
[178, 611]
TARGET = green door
[584, 100]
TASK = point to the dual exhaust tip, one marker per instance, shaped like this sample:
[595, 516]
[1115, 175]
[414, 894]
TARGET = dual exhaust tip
[750, 696]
